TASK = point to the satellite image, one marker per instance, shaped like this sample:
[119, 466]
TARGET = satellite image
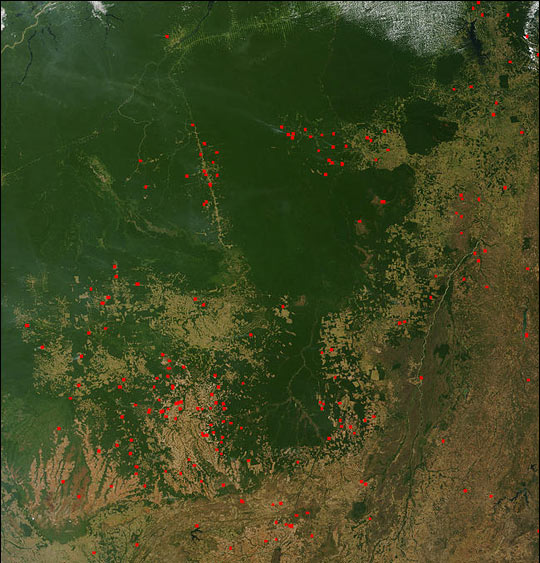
[270, 281]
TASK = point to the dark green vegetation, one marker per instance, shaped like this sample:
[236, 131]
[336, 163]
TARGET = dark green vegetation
[358, 510]
[362, 72]
[448, 67]
[95, 109]
[81, 206]
[424, 128]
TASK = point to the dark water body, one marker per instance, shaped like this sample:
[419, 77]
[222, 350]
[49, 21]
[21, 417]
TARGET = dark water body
[475, 42]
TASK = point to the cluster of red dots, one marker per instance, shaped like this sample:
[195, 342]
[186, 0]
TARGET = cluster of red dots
[179, 403]
[204, 171]
[473, 8]
[330, 161]
[216, 403]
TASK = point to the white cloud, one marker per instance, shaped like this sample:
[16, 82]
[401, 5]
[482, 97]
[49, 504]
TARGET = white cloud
[98, 9]
[425, 27]
[531, 32]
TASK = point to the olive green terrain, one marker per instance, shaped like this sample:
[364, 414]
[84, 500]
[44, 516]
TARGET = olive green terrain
[269, 286]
